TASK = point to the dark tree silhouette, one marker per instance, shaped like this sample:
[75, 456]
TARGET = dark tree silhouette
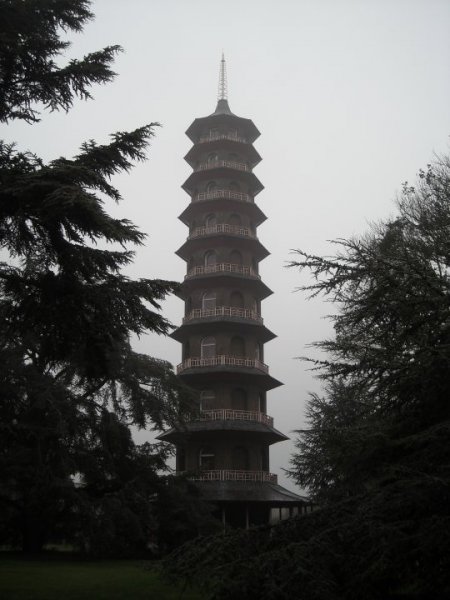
[70, 383]
[387, 370]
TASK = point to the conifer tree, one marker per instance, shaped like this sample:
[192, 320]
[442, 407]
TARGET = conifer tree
[70, 383]
[387, 367]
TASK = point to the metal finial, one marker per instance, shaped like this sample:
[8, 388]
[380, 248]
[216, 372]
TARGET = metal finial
[223, 86]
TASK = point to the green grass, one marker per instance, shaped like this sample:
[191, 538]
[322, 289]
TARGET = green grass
[76, 580]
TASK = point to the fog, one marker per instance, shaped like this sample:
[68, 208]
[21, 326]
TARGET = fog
[351, 97]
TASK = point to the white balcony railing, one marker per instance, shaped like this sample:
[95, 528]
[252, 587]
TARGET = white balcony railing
[223, 311]
[225, 194]
[223, 268]
[213, 137]
[228, 475]
[222, 228]
[225, 414]
[229, 164]
[222, 360]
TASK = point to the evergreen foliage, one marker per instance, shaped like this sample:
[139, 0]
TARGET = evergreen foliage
[388, 372]
[375, 455]
[182, 514]
[70, 383]
[30, 43]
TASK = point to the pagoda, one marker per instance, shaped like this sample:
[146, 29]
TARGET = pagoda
[225, 449]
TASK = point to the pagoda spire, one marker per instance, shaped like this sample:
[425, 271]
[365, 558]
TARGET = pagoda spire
[222, 90]
[223, 84]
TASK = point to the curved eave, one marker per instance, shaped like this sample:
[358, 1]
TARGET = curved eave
[217, 172]
[245, 126]
[213, 429]
[249, 492]
[211, 324]
[250, 208]
[222, 144]
[229, 374]
[223, 239]
[216, 279]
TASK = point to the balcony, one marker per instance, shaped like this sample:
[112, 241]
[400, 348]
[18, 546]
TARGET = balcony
[223, 194]
[222, 268]
[225, 475]
[222, 360]
[223, 311]
[225, 414]
[216, 164]
[213, 137]
[222, 228]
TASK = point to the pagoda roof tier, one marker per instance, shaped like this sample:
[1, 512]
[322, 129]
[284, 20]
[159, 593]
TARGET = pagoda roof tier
[222, 116]
[212, 430]
[226, 373]
[212, 324]
[223, 238]
[223, 278]
[222, 142]
[249, 492]
[222, 169]
[223, 200]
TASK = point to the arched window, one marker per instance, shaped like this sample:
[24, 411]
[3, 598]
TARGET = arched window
[212, 185]
[262, 402]
[234, 219]
[235, 257]
[240, 458]
[212, 158]
[210, 220]
[186, 350]
[207, 399]
[209, 300]
[210, 258]
[208, 347]
[207, 459]
[236, 300]
[188, 306]
[259, 352]
[255, 265]
[234, 186]
[237, 346]
[264, 458]
[239, 399]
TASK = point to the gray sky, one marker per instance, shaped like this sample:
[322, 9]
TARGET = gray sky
[351, 97]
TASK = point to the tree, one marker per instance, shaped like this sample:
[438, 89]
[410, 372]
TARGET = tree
[375, 454]
[70, 383]
[30, 35]
[388, 372]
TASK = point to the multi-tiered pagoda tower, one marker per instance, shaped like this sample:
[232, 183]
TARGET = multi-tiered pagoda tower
[223, 334]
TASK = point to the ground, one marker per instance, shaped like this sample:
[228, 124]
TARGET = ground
[39, 579]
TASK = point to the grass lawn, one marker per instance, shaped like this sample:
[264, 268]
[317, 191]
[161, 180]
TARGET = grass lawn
[77, 580]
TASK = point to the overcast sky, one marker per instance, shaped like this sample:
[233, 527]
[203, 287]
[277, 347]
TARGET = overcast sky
[352, 97]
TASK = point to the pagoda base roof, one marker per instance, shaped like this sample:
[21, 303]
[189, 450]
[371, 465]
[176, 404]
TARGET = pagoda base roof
[249, 492]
